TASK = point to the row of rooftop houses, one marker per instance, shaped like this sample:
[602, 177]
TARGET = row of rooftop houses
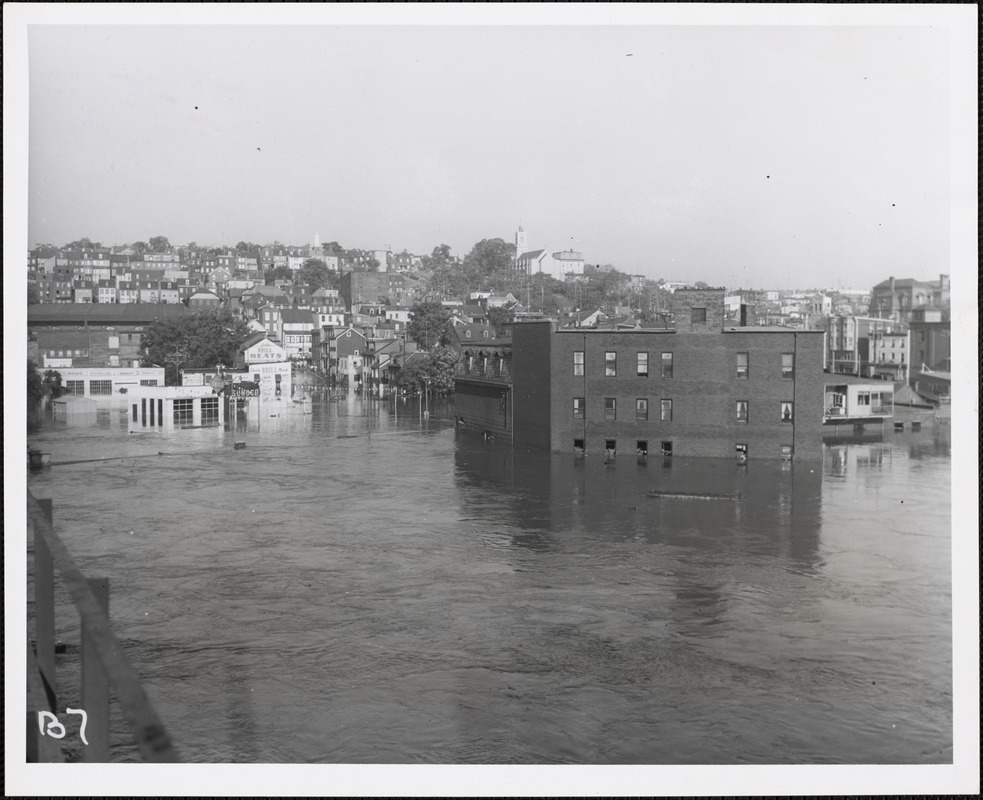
[702, 388]
[93, 262]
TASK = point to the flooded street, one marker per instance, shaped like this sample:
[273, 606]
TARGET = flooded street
[361, 585]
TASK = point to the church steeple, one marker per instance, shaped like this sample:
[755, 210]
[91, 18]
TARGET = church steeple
[520, 241]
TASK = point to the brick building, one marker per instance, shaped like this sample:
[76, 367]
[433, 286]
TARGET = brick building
[702, 389]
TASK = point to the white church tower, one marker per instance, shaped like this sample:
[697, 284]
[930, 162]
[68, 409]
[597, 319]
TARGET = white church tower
[521, 246]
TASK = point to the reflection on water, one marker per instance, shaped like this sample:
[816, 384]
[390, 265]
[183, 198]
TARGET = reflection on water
[360, 584]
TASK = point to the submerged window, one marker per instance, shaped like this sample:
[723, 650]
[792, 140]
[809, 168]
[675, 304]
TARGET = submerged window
[209, 410]
[184, 411]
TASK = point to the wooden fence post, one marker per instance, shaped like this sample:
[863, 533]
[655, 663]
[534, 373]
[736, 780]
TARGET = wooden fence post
[95, 687]
[44, 608]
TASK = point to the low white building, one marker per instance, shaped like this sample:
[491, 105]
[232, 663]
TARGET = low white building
[164, 408]
[109, 381]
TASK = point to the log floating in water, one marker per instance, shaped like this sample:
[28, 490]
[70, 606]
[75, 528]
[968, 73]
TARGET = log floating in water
[696, 495]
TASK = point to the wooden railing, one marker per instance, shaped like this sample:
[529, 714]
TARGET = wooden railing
[103, 664]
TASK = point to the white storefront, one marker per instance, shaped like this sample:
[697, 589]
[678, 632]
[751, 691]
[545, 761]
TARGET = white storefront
[108, 381]
[169, 407]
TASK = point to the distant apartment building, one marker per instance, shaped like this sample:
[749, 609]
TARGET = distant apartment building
[372, 287]
[848, 343]
[890, 355]
[896, 298]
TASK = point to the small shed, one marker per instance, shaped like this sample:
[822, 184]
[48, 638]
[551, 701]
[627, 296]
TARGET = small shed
[74, 408]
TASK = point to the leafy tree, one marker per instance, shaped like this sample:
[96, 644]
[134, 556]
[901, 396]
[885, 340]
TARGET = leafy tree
[33, 296]
[441, 266]
[206, 338]
[52, 384]
[140, 247]
[501, 319]
[41, 388]
[315, 273]
[277, 274]
[35, 389]
[490, 261]
[372, 265]
[159, 244]
[430, 325]
[434, 372]
[83, 244]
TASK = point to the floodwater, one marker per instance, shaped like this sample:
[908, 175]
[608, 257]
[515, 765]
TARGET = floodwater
[362, 585]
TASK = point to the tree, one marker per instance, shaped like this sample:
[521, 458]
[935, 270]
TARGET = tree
[83, 244]
[434, 372]
[33, 296]
[501, 319]
[490, 261]
[205, 339]
[315, 273]
[440, 264]
[278, 274]
[41, 388]
[430, 325]
[140, 247]
[159, 244]
[35, 389]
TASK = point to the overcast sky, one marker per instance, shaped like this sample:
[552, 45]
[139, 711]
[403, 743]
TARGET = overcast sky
[737, 155]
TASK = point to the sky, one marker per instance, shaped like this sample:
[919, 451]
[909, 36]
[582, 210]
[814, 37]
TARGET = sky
[739, 155]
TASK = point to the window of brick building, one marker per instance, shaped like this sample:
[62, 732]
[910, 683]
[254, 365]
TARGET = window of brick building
[642, 361]
[642, 408]
[742, 410]
[610, 408]
[578, 408]
[742, 366]
[667, 365]
[578, 362]
[610, 364]
[667, 410]
[788, 365]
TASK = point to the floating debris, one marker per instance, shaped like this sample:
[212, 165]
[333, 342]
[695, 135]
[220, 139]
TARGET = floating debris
[695, 495]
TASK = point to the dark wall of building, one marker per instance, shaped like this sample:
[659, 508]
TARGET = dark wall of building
[531, 367]
[482, 406]
[930, 345]
[711, 301]
[704, 390]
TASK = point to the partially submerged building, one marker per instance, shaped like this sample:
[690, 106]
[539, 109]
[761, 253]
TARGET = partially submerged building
[703, 388]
